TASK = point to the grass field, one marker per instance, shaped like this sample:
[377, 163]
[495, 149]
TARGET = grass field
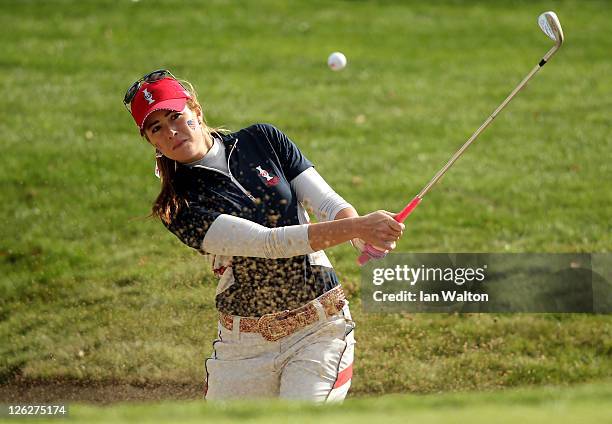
[584, 403]
[91, 291]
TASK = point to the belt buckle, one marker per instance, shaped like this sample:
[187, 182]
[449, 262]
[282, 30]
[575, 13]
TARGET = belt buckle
[271, 327]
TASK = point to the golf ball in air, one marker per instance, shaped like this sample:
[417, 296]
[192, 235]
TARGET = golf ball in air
[336, 61]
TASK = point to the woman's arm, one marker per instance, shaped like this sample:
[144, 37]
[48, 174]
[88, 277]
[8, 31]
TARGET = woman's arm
[233, 236]
[377, 228]
[230, 235]
[350, 212]
[318, 197]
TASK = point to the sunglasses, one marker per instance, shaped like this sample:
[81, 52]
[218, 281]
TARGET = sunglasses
[150, 77]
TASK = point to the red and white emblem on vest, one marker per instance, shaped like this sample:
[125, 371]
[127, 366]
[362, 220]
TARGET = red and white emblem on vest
[270, 180]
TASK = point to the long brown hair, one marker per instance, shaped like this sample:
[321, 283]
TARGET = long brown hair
[170, 201]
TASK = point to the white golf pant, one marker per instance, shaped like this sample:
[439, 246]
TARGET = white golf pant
[314, 363]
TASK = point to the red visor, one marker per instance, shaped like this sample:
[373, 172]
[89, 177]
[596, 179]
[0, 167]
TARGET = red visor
[166, 94]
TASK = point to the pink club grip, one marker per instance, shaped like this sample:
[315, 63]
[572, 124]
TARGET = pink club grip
[401, 217]
[370, 252]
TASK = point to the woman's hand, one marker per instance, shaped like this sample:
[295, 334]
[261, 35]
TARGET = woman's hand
[380, 230]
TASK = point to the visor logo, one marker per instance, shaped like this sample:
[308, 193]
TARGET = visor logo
[148, 96]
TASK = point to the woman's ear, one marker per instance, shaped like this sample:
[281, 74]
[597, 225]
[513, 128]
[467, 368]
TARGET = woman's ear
[199, 115]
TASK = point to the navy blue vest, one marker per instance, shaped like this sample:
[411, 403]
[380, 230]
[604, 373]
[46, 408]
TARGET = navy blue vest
[261, 285]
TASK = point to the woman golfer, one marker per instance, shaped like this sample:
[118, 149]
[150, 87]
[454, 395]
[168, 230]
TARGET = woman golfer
[285, 329]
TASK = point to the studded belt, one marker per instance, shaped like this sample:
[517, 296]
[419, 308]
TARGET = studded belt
[275, 326]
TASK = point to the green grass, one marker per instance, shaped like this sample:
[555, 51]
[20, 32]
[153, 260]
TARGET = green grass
[586, 403]
[91, 291]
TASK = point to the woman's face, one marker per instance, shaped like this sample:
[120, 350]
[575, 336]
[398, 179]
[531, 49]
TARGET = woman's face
[177, 135]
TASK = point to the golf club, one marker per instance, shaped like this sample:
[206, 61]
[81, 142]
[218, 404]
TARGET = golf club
[549, 23]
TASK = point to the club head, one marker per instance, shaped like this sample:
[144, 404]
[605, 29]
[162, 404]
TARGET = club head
[549, 22]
